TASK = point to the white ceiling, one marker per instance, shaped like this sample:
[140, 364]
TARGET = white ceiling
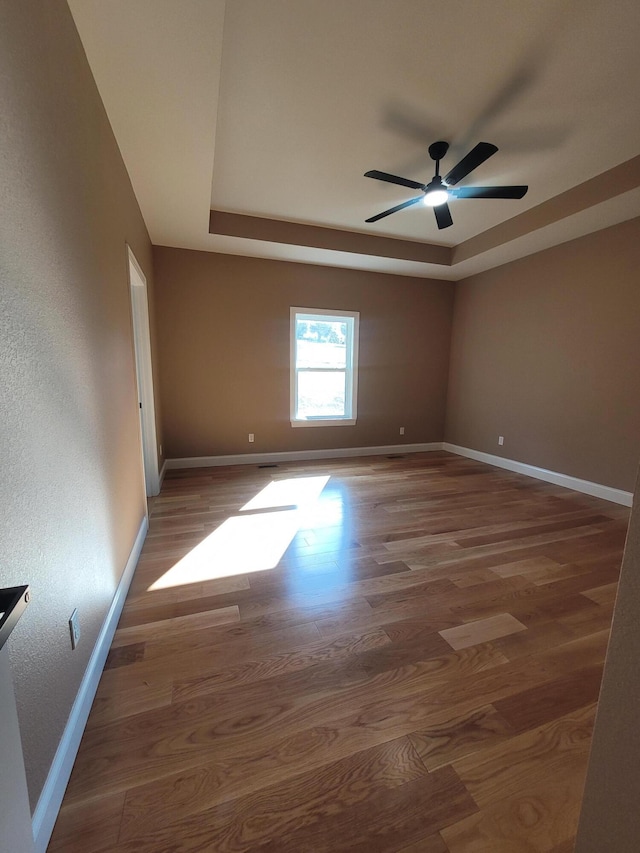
[276, 108]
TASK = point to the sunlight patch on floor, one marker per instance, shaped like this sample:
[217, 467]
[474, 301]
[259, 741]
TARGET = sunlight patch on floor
[295, 491]
[253, 542]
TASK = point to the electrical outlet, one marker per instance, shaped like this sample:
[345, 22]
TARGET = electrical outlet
[251, 438]
[74, 628]
[160, 450]
[401, 430]
[500, 440]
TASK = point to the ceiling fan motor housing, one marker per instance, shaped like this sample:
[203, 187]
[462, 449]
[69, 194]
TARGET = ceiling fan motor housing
[435, 185]
[435, 193]
[437, 150]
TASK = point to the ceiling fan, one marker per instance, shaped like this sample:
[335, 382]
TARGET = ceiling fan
[439, 190]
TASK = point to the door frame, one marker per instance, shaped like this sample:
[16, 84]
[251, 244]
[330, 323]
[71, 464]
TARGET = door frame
[144, 373]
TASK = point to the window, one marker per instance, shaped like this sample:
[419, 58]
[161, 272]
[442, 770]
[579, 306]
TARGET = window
[324, 367]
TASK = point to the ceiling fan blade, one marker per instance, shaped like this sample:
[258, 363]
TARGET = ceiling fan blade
[395, 209]
[489, 192]
[443, 215]
[393, 179]
[474, 158]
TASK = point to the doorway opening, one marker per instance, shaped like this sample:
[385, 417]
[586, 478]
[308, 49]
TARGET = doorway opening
[144, 374]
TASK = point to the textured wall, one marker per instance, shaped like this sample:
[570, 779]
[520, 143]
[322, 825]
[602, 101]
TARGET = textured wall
[610, 818]
[223, 335]
[71, 494]
[545, 352]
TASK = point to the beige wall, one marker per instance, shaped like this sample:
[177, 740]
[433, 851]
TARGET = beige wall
[545, 351]
[223, 329]
[610, 819]
[71, 494]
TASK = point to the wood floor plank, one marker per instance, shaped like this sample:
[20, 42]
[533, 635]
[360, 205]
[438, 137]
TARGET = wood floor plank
[419, 672]
[139, 598]
[257, 764]
[434, 618]
[547, 701]
[461, 736]
[89, 827]
[541, 820]
[431, 844]
[527, 566]
[200, 654]
[482, 631]
[117, 704]
[403, 653]
[287, 628]
[385, 820]
[588, 621]
[298, 805]
[473, 578]
[149, 631]
[530, 756]
[540, 636]
[602, 594]
[122, 654]
[277, 665]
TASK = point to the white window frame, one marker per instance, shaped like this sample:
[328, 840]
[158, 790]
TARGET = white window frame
[351, 367]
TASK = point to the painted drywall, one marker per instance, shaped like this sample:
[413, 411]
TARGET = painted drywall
[610, 818]
[223, 336]
[71, 493]
[545, 352]
[15, 817]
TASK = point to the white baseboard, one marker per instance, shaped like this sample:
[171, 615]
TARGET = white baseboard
[617, 496]
[163, 471]
[297, 455]
[46, 812]
[585, 486]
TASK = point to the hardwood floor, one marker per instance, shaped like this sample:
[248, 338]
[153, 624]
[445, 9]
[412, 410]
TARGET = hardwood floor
[406, 657]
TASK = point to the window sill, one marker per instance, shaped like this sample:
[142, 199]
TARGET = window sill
[321, 422]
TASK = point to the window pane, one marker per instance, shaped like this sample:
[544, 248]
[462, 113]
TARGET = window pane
[321, 344]
[321, 395]
[324, 366]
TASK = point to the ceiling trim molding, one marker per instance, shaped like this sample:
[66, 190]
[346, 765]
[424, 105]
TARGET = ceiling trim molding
[616, 181]
[603, 188]
[297, 234]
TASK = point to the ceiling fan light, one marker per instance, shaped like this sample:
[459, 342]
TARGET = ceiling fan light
[433, 198]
